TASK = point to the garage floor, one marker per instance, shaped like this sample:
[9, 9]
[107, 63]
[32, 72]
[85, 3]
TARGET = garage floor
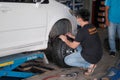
[106, 62]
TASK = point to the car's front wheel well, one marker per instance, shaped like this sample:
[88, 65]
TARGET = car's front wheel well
[60, 27]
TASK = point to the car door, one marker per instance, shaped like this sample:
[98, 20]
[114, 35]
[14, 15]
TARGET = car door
[22, 25]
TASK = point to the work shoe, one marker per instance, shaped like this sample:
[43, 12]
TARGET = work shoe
[112, 54]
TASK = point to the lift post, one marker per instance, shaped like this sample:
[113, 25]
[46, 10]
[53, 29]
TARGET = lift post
[9, 63]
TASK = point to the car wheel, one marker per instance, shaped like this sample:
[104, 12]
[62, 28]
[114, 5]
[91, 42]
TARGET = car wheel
[53, 51]
[60, 50]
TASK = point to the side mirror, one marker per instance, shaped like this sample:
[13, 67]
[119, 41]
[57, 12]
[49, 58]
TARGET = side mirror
[38, 1]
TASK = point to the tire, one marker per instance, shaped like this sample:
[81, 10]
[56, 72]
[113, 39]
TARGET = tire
[60, 50]
[48, 52]
[53, 51]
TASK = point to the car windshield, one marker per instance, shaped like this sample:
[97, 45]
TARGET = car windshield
[25, 1]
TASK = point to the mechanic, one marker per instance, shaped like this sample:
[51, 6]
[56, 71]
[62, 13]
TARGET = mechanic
[87, 42]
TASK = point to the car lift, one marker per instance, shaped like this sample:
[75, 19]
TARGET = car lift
[9, 63]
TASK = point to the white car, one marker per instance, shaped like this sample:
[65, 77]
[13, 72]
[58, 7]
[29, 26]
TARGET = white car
[31, 25]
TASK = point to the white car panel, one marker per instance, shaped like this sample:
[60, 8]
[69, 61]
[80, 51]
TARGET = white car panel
[25, 26]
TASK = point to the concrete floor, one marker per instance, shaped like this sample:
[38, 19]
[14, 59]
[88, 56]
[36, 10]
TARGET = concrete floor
[102, 67]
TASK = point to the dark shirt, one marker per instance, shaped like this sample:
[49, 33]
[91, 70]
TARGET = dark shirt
[90, 42]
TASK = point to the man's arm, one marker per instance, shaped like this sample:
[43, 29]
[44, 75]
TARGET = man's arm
[106, 15]
[70, 35]
[73, 44]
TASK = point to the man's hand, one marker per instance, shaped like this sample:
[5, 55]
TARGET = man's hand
[70, 35]
[73, 44]
[63, 38]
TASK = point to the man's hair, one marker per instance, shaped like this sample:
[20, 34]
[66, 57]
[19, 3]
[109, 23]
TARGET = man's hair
[83, 13]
